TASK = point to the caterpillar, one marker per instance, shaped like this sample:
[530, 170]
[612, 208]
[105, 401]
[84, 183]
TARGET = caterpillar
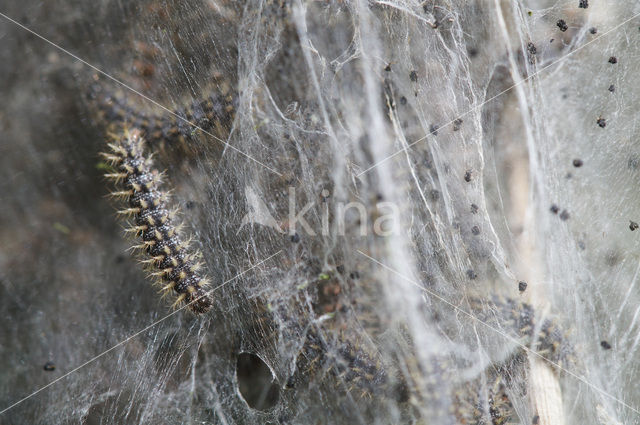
[364, 375]
[171, 260]
[214, 113]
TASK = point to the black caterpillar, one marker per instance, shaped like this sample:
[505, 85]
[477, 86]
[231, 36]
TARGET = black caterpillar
[363, 374]
[213, 114]
[173, 262]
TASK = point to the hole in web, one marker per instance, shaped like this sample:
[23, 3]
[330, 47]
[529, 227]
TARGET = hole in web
[256, 382]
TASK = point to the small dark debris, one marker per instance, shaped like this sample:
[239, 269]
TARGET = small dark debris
[551, 41]
[435, 195]
[577, 163]
[613, 60]
[433, 129]
[602, 122]
[474, 208]
[190, 204]
[388, 68]
[633, 162]
[457, 123]
[530, 13]
[119, 259]
[473, 52]
[467, 176]
[295, 238]
[340, 269]
[612, 88]
[413, 75]
[49, 367]
[471, 274]
[633, 225]
[583, 4]
[522, 286]
[554, 209]
[593, 30]
[562, 25]
[564, 215]
[354, 275]
[605, 345]
[535, 420]
[475, 230]
[568, 176]
[403, 100]
[581, 245]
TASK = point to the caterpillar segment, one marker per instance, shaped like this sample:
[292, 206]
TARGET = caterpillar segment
[169, 257]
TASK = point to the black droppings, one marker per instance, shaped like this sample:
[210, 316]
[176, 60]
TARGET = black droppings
[433, 129]
[475, 230]
[577, 163]
[457, 123]
[602, 122]
[49, 366]
[613, 60]
[562, 25]
[388, 68]
[474, 209]
[522, 286]
[583, 4]
[467, 176]
[564, 215]
[605, 345]
[403, 100]
[593, 30]
[413, 75]
[612, 88]
[471, 274]
[554, 209]
[295, 238]
[633, 225]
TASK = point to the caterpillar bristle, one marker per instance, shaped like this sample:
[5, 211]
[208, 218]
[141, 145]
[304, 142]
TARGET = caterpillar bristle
[179, 300]
[117, 177]
[168, 256]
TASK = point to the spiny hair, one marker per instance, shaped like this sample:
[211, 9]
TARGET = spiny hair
[169, 257]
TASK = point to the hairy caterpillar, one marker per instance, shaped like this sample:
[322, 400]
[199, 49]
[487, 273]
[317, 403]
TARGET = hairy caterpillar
[173, 262]
[214, 113]
[363, 374]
